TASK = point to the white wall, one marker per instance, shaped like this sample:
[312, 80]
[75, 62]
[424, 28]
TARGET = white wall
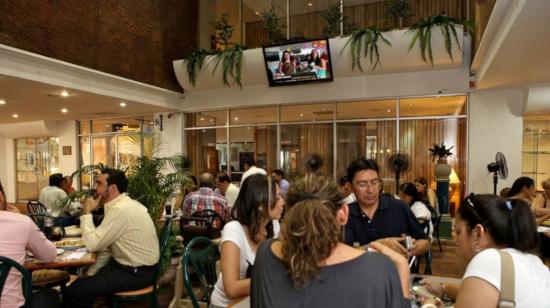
[495, 124]
[68, 137]
[172, 125]
[7, 167]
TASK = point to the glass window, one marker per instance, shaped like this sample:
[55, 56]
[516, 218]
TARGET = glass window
[84, 127]
[366, 109]
[36, 160]
[418, 136]
[432, 106]
[253, 116]
[207, 150]
[129, 149]
[313, 112]
[85, 180]
[104, 150]
[254, 31]
[373, 140]
[306, 21]
[116, 125]
[364, 13]
[207, 118]
[299, 141]
[536, 147]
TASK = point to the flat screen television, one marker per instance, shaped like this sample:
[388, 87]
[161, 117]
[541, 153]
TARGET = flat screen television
[298, 62]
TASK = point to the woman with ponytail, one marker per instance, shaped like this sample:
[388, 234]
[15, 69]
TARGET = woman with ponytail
[310, 266]
[486, 227]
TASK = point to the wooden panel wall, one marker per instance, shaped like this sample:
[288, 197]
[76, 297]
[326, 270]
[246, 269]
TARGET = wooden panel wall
[136, 39]
[366, 15]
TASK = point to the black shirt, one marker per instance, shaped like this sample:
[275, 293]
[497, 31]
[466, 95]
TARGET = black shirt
[392, 219]
[368, 281]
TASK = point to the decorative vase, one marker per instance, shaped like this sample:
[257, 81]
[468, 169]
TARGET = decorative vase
[442, 172]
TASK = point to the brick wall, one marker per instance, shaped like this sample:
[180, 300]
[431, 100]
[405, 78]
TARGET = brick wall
[136, 39]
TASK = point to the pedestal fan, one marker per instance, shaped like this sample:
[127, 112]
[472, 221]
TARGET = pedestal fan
[398, 162]
[499, 168]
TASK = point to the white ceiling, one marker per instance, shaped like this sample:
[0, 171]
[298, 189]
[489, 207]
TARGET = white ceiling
[34, 101]
[519, 48]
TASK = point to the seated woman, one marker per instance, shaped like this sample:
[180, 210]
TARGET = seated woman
[523, 189]
[254, 219]
[487, 225]
[426, 193]
[541, 204]
[310, 266]
[422, 211]
[318, 63]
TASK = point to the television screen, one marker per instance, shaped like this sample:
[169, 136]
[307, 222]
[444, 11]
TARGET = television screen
[298, 62]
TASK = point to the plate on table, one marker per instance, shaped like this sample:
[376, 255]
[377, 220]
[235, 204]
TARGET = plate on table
[70, 244]
[58, 251]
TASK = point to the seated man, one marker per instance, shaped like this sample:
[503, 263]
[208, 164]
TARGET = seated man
[17, 234]
[54, 198]
[226, 188]
[127, 233]
[375, 217]
[206, 199]
[279, 177]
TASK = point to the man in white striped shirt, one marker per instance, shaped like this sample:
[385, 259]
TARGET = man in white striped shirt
[127, 234]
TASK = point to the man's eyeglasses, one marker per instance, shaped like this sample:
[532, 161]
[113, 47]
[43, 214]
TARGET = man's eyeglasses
[368, 184]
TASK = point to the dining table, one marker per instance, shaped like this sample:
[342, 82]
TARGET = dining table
[73, 257]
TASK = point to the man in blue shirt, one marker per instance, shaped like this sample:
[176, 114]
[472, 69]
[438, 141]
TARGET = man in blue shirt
[279, 177]
[375, 217]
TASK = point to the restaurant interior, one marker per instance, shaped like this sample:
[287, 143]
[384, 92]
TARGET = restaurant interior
[189, 89]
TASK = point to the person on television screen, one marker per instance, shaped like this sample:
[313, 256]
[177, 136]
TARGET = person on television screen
[318, 63]
[287, 66]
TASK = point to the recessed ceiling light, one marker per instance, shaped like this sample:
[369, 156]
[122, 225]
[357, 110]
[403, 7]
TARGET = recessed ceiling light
[409, 104]
[122, 104]
[202, 119]
[257, 13]
[211, 120]
[301, 114]
[15, 116]
[64, 93]
[236, 118]
[388, 110]
[64, 110]
[248, 127]
[204, 130]
[2, 102]
[309, 4]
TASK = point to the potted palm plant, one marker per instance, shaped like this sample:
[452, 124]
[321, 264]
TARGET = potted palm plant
[441, 152]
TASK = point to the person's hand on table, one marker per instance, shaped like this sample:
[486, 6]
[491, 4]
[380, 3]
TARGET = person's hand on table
[433, 287]
[395, 244]
[90, 205]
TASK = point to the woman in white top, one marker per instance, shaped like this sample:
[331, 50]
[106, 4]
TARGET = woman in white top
[422, 211]
[486, 224]
[254, 219]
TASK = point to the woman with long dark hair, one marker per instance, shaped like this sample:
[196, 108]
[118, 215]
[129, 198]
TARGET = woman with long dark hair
[310, 266]
[490, 229]
[422, 211]
[523, 189]
[317, 63]
[255, 218]
[426, 193]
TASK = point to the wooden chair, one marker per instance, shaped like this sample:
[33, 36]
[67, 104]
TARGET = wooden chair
[6, 264]
[37, 211]
[150, 292]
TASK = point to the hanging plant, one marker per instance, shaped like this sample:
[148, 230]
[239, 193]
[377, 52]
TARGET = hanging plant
[231, 61]
[422, 32]
[364, 43]
[193, 64]
[271, 25]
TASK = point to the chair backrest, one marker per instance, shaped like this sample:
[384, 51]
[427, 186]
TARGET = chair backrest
[211, 215]
[192, 227]
[163, 244]
[202, 262]
[6, 264]
[35, 207]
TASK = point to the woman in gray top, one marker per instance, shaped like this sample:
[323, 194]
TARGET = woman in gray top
[310, 266]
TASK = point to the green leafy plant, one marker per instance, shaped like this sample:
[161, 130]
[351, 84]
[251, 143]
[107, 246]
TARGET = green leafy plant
[364, 43]
[193, 64]
[399, 11]
[224, 30]
[333, 17]
[422, 33]
[231, 63]
[440, 151]
[271, 25]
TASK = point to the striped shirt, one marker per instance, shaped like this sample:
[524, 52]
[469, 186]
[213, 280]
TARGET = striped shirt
[127, 233]
[206, 199]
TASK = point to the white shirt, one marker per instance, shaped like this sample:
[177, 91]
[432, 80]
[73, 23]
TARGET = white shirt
[231, 194]
[234, 232]
[252, 170]
[420, 211]
[532, 276]
[55, 199]
[349, 199]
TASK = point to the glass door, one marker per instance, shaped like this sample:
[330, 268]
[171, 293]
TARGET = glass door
[36, 160]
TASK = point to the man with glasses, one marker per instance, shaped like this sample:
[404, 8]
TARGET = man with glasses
[376, 217]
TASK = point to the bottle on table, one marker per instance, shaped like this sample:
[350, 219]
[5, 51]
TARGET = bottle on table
[48, 224]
